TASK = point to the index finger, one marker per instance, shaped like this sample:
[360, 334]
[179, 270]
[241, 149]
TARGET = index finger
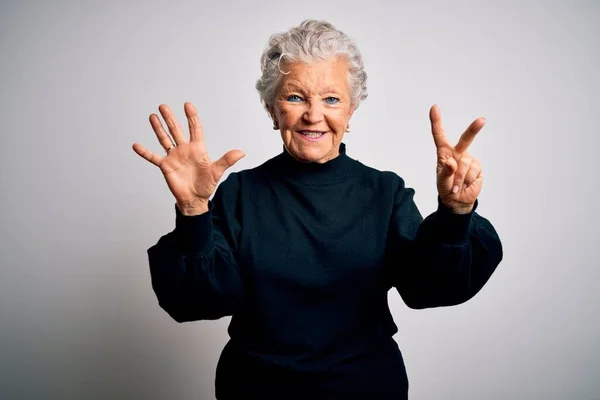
[467, 137]
[196, 133]
[437, 128]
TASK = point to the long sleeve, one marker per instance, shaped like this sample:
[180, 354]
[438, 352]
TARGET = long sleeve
[194, 270]
[443, 260]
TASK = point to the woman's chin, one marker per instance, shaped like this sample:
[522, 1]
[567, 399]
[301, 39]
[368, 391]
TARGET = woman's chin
[314, 155]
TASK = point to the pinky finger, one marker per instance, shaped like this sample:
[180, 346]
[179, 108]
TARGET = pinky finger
[147, 154]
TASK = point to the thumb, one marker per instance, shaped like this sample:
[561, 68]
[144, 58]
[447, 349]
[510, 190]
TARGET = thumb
[227, 160]
[448, 170]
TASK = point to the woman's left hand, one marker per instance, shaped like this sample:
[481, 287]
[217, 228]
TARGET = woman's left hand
[459, 175]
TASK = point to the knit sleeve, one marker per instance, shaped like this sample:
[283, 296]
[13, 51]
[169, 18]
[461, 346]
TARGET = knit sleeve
[443, 260]
[194, 270]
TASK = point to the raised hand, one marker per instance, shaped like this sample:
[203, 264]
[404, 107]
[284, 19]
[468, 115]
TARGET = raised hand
[459, 175]
[190, 175]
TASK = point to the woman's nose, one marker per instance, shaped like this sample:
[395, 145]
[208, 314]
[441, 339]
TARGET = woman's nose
[314, 112]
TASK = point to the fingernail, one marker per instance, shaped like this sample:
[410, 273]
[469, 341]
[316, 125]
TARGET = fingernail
[455, 189]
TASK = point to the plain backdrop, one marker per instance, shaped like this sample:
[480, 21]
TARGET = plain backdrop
[78, 80]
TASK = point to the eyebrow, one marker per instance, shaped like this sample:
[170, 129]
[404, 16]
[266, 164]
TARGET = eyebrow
[294, 87]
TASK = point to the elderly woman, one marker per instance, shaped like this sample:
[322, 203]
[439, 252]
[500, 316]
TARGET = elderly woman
[302, 250]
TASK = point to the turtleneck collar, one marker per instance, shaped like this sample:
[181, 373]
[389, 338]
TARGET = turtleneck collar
[314, 174]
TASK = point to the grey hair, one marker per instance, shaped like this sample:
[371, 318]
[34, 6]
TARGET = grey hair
[308, 42]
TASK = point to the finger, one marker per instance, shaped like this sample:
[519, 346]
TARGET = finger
[228, 159]
[464, 164]
[172, 124]
[445, 176]
[467, 137]
[147, 154]
[473, 174]
[474, 188]
[437, 128]
[196, 133]
[163, 137]
[448, 169]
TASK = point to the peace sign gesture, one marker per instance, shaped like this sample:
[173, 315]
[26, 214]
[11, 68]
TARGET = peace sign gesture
[459, 175]
[190, 174]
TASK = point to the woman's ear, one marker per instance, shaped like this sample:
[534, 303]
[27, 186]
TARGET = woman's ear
[271, 112]
[350, 116]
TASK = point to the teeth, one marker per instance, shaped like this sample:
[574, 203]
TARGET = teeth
[312, 134]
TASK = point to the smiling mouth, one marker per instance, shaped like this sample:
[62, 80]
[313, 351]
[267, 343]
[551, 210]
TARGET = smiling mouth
[312, 134]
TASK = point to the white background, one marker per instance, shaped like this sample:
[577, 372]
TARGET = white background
[79, 208]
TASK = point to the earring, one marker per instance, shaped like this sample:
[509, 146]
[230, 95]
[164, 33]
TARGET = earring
[348, 128]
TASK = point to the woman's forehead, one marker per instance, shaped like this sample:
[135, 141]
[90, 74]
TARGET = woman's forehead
[326, 75]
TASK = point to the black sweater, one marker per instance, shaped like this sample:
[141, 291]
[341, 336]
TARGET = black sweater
[302, 255]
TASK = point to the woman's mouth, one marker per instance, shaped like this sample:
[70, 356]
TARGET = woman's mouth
[312, 136]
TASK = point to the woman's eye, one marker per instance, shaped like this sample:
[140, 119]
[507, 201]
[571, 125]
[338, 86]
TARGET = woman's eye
[332, 100]
[294, 98]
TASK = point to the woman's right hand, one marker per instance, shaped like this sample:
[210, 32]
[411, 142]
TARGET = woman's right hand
[190, 175]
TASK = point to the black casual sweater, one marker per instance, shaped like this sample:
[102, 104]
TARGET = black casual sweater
[302, 256]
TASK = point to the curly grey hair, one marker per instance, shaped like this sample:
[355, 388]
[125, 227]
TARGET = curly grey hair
[310, 41]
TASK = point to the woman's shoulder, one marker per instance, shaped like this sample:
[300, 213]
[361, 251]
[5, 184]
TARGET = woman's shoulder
[234, 179]
[383, 177]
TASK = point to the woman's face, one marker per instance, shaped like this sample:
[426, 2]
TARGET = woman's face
[312, 109]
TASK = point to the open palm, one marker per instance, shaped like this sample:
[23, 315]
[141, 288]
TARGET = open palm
[190, 174]
[459, 175]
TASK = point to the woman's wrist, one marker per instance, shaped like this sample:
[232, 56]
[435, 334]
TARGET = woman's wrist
[462, 210]
[189, 209]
